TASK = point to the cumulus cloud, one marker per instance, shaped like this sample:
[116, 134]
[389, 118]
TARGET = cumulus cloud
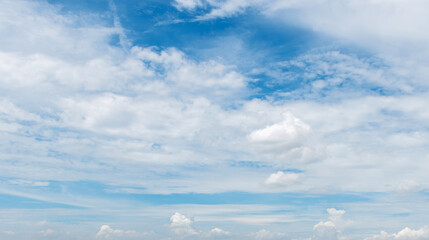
[289, 140]
[215, 233]
[181, 225]
[288, 131]
[334, 214]
[329, 230]
[325, 231]
[404, 234]
[218, 232]
[179, 220]
[106, 232]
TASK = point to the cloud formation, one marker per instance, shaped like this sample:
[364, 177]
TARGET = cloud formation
[181, 225]
[290, 130]
[79, 109]
[404, 234]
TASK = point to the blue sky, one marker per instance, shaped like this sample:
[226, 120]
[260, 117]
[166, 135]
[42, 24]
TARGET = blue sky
[214, 119]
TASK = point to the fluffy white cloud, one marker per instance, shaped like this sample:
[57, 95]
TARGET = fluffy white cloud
[216, 233]
[289, 140]
[329, 230]
[181, 225]
[106, 231]
[179, 220]
[334, 214]
[404, 234]
[288, 131]
[325, 231]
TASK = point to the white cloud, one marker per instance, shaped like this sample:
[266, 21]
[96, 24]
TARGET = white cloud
[36, 27]
[371, 23]
[79, 109]
[179, 220]
[290, 140]
[111, 96]
[187, 4]
[334, 214]
[330, 230]
[290, 130]
[218, 232]
[215, 233]
[282, 179]
[325, 231]
[112, 106]
[190, 74]
[181, 225]
[404, 234]
[106, 232]
[228, 8]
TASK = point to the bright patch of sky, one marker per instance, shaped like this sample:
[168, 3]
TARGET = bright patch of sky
[214, 119]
